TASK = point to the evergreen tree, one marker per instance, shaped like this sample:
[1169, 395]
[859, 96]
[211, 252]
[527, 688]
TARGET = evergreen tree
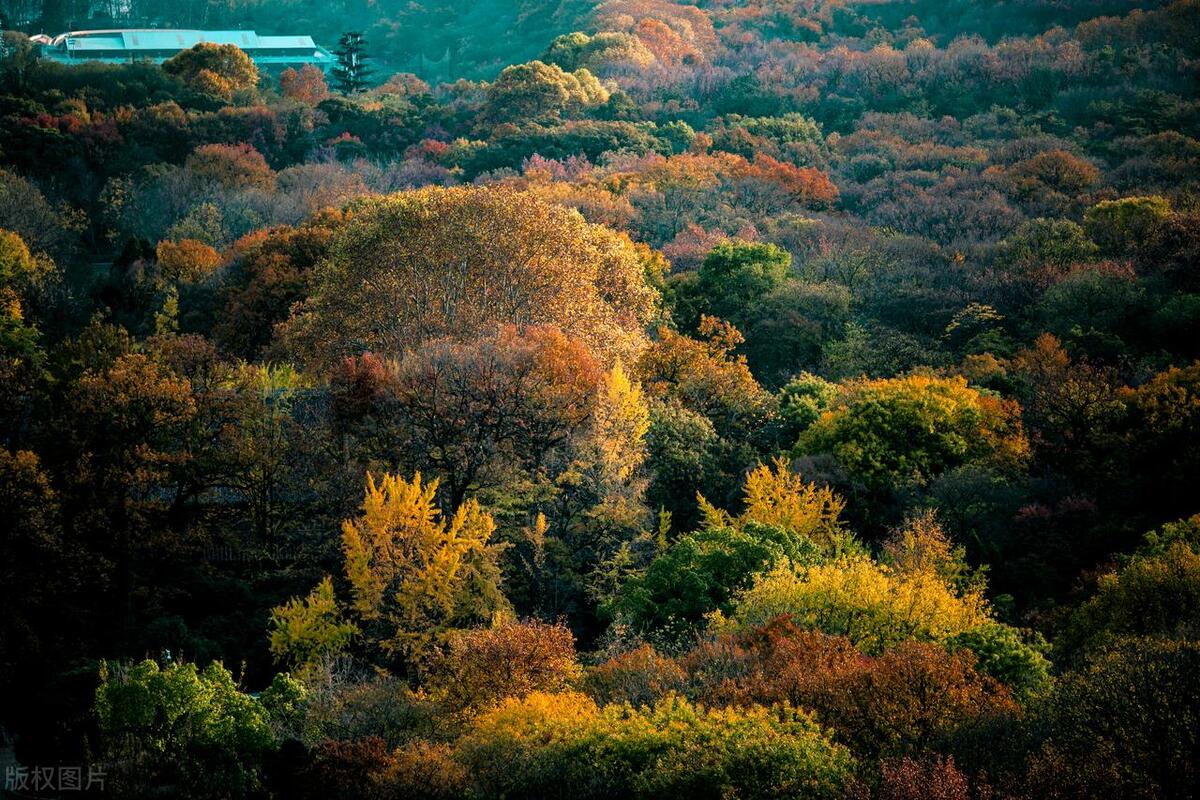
[351, 72]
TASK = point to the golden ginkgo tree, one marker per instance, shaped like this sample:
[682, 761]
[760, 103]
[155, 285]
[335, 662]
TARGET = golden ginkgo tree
[414, 573]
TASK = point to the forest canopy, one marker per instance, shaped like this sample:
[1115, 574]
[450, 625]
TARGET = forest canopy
[630, 398]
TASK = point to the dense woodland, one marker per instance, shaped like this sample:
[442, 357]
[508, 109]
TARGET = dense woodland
[713, 399]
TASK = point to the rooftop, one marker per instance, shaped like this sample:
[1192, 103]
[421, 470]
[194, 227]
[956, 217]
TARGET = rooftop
[127, 44]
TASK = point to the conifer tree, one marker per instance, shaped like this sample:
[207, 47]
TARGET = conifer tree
[351, 72]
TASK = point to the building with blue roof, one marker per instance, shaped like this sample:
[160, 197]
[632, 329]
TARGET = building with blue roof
[123, 46]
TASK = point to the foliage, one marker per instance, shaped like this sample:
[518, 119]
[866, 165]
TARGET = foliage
[182, 727]
[911, 429]
[1120, 226]
[1155, 593]
[484, 666]
[537, 91]
[414, 574]
[562, 745]
[595, 267]
[1124, 723]
[216, 69]
[785, 520]
[640, 677]
[907, 700]
[554, 267]
[304, 630]
[874, 606]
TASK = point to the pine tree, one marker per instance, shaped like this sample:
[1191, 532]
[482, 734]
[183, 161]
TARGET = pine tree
[351, 72]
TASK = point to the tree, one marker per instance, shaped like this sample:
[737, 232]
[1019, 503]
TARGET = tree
[785, 519]
[231, 166]
[921, 544]
[187, 260]
[641, 677]
[803, 399]
[1123, 724]
[31, 555]
[899, 430]
[1124, 227]
[621, 421]
[853, 596]
[1160, 439]
[777, 495]
[414, 574]
[1039, 253]
[486, 257]
[1071, 409]
[733, 276]
[351, 71]
[901, 702]
[704, 376]
[485, 666]
[1154, 593]
[540, 92]
[128, 439]
[269, 273]
[474, 412]
[22, 277]
[549, 745]
[305, 630]
[215, 69]
[698, 574]
[606, 50]
[45, 228]
[185, 728]
[306, 85]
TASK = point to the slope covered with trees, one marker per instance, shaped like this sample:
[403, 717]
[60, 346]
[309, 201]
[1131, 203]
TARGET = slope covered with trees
[643, 398]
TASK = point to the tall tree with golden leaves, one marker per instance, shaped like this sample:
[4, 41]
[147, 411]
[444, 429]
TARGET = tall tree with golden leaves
[414, 574]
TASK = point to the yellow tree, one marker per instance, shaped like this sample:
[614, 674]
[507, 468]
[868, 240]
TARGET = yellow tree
[620, 425]
[778, 496]
[414, 574]
[303, 630]
[458, 262]
[215, 69]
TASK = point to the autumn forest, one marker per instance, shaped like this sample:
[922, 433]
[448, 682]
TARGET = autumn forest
[726, 399]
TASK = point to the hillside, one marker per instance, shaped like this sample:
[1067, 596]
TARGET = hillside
[730, 399]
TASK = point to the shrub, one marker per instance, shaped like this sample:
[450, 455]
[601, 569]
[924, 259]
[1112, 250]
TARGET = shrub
[640, 677]
[564, 745]
[181, 727]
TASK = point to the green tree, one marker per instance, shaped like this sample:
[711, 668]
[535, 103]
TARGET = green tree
[351, 72]
[1122, 725]
[1154, 593]
[554, 745]
[540, 92]
[734, 275]
[1124, 227]
[909, 430]
[803, 399]
[785, 519]
[183, 728]
[853, 596]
